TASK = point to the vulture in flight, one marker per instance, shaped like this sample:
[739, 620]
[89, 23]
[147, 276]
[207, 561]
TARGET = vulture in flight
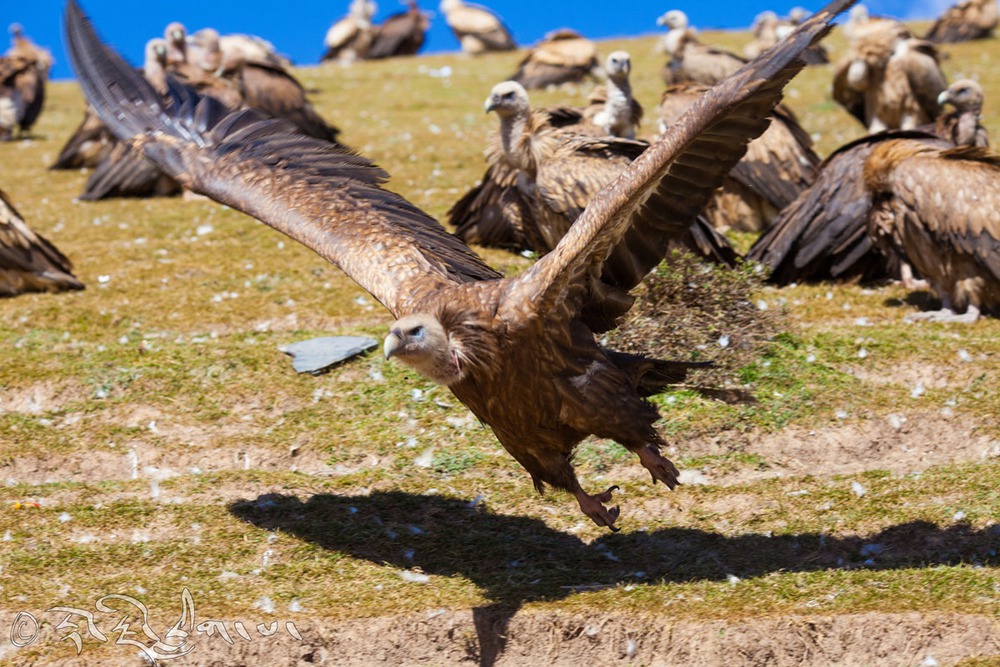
[690, 60]
[777, 167]
[476, 28]
[964, 21]
[822, 235]
[401, 34]
[520, 352]
[939, 209]
[563, 56]
[889, 79]
[348, 39]
[29, 263]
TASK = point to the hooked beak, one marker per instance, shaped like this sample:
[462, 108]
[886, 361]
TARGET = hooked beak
[392, 343]
[491, 103]
[943, 98]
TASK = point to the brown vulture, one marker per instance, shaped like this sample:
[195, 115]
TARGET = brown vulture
[520, 352]
[563, 56]
[939, 209]
[476, 28]
[777, 167]
[24, 71]
[89, 144]
[401, 34]
[690, 60]
[29, 263]
[823, 235]
[965, 20]
[768, 28]
[348, 39]
[889, 79]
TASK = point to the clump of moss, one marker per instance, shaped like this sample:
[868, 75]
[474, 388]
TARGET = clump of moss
[688, 309]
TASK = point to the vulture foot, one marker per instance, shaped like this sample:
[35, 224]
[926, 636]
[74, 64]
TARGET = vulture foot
[945, 315]
[659, 467]
[909, 280]
[593, 506]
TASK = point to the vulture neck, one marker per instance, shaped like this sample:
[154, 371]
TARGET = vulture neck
[618, 108]
[515, 139]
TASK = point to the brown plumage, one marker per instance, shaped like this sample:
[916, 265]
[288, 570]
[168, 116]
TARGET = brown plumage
[940, 210]
[690, 60]
[476, 28]
[349, 38]
[777, 167]
[823, 235]
[520, 352]
[24, 71]
[89, 144]
[28, 262]
[889, 79]
[563, 56]
[768, 28]
[964, 21]
[401, 34]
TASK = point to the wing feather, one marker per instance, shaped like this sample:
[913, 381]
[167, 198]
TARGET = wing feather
[327, 198]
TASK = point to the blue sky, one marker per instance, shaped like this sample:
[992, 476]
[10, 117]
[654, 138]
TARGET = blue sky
[297, 28]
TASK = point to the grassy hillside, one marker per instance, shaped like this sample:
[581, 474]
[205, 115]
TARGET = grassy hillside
[155, 440]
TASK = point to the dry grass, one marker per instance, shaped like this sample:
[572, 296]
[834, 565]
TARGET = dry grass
[168, 443]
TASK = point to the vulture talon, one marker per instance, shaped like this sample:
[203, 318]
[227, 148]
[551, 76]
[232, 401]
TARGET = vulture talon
[593, 506]
[660, 468]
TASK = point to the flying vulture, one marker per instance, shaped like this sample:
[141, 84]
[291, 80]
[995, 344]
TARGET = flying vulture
[823, 235]
[477, 29]
[348, 39]
[889, 79]
[563, 56]
[964, 21]
[778, 165]
[401, 34]
[29, 263]
[690, 60]
[520, 352]
[939, 208]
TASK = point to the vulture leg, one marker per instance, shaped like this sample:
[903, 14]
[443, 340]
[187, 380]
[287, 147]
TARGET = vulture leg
[662, 469]
[909, 280]
[593, 506]
[946, 314]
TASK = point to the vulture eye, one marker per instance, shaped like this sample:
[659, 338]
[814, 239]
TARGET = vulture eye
[416, 331]
[509, 95]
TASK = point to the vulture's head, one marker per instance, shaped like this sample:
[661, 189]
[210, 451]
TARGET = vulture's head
[799, 14]
[176, 34]
[420, 342]
[675, 19]
[156, 53]
[449, 5]
[964, 95]
[508, 99]
[619, 66]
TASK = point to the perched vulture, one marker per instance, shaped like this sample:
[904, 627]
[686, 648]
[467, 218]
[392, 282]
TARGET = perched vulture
[24, 70]
[401, 34]
[477, 29]
[690, 60]
[520, 352]
[964, 21]
[777, 167]
[860, 24]
[890, 79]
[348, 39]
[492, 213]
[823, 235]
[563, 56]
[175, 36]
[29, 263]
[939, 208]
[768, 28]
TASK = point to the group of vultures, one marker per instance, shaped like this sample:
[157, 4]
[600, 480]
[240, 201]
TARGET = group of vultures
[917, 199]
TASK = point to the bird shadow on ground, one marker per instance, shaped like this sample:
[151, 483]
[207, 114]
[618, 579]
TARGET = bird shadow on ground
[518, 559]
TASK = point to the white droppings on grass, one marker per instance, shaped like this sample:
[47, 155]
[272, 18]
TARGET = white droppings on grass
[732, 579]
[857, 489]
[630, 647]
[64, 517]
[265, 604]
[917, 391]
[426, 459]
[478, 499]
[958, 516]
[692, 478]
[202, 230]
[723, 341]
[964, 355]
[412, 577]
[842, 414]
[103, 279]
[929, 661]
[862, 353]
[896, 421]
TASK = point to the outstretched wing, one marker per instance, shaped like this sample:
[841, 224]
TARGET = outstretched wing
[678, 174]
[327, 198]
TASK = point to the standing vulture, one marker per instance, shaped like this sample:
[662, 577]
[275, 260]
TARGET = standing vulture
[778, 165]
[823, 235]
[939, 208]
[348, 39]
[889, 79]
[477, 29]
[89, 144]
[29, 263]
[768, 28]
[964, 21]
[520, 352]
[563, 56]
[690, 60]
[24, 70]
[401, 34]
